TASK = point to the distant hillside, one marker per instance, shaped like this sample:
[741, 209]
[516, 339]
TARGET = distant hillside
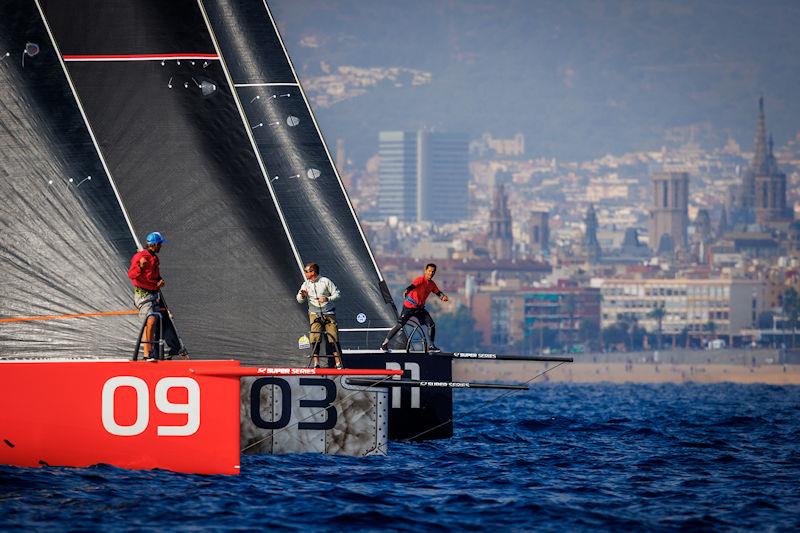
[579, 78]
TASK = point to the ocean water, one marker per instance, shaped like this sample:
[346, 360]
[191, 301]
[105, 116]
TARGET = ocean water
[559, 457]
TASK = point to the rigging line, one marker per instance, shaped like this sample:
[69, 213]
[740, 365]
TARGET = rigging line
[55, 317]
[482, 404]
[364, 329]
[249, 133]
[332, 404]
[324, 144]
[88, 125]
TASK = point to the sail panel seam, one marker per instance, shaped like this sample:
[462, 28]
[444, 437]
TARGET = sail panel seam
[137, 57]
[88, 125]
[266, 84]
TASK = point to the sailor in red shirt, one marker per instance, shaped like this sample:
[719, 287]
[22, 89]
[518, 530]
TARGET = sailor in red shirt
[414, 306]
[147, 282]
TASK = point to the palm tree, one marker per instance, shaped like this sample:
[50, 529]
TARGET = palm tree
[658, 314]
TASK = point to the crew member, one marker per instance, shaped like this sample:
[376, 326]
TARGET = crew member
[320, 292]
[414, 306]
[147, 282]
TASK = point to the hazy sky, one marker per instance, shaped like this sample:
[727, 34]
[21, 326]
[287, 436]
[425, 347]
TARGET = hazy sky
[578, 77]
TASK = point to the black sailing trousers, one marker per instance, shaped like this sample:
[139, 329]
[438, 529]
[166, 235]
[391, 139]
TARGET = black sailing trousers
[421, 314]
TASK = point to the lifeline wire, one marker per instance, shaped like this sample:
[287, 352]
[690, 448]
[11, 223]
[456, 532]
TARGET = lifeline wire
[484, 403]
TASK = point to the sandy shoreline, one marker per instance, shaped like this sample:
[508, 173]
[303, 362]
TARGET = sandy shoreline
[627, 373]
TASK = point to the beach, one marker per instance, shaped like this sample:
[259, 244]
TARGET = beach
[627, 372]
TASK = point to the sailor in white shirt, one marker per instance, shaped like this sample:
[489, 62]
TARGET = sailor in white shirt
[320, 292]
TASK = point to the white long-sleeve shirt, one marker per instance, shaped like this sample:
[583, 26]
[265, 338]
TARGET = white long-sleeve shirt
[321, 286]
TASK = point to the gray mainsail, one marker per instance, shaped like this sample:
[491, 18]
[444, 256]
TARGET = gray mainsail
[64, 239]
[181, 162]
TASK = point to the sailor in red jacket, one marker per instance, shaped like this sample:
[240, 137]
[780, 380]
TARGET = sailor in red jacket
[414, 306]
[147, 282]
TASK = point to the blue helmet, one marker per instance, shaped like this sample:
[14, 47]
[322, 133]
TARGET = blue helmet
[155, 238]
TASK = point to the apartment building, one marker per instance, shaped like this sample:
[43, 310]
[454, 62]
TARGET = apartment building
[730, 304]
[505, 317]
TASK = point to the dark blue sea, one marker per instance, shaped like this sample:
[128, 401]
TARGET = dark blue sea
[556, 458]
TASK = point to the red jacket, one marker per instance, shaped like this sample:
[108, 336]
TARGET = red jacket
[422, 288]
[147, 276]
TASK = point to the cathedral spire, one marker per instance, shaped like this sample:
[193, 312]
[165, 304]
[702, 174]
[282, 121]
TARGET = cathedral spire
[722, 227]
[772, 163]
[760, 156]
[590, 242]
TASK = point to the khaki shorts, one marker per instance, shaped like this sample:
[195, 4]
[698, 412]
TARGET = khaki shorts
[331, 330]
[145, 302]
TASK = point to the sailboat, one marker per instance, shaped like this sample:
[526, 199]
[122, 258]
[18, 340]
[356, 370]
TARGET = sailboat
[187, 117]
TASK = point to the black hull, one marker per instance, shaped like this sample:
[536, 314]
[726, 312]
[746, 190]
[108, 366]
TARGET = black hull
[414, 413]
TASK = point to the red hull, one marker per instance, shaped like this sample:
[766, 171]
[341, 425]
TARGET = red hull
[175, 415]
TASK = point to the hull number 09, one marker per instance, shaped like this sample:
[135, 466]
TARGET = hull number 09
[191, 408]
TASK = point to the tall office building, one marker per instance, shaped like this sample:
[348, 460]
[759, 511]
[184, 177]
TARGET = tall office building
[397, 176]
[442, 176]
[424, 176]
[669, 216]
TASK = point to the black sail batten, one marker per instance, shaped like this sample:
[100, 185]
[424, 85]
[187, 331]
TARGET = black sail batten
[64, 242]
[319, 216]
[176, 145]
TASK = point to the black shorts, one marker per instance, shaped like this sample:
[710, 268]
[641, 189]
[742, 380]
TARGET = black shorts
[420, 313]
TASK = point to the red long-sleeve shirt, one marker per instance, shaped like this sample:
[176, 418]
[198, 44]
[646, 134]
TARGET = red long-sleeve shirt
[147, 276]
[422, 288]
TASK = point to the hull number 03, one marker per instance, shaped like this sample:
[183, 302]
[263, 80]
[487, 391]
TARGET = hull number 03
[191, 408]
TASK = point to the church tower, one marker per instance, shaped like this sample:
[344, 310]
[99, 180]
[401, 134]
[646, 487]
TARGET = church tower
[770, 192]
[590, 242]
[669, 216]
[500, 240]
[763, 190]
